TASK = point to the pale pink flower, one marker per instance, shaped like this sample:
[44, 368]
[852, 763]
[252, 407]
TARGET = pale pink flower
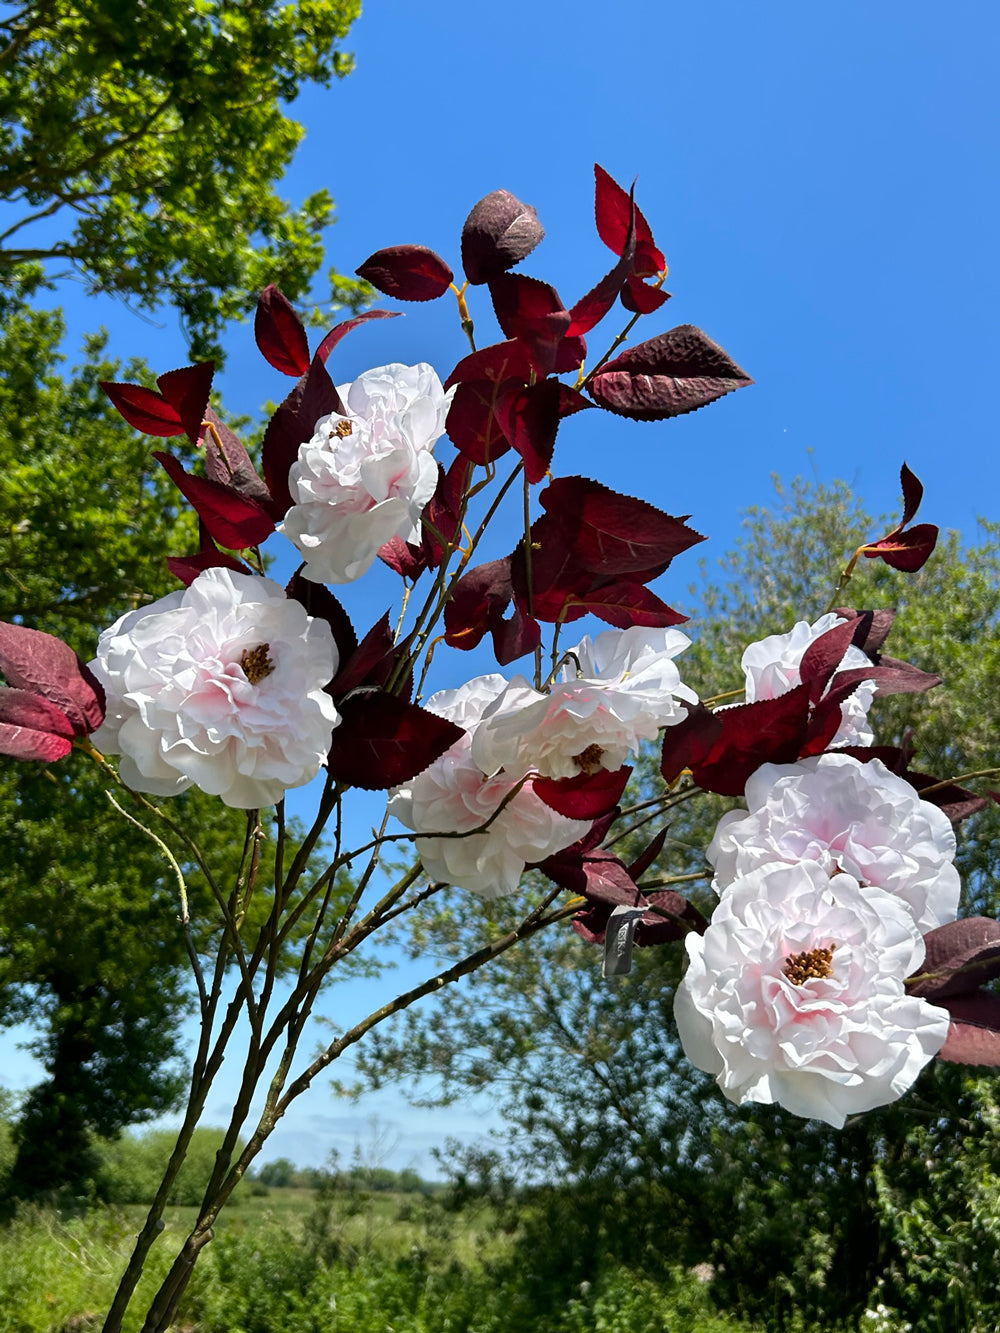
[795, 994]
[846, 815]
[614, 692]
[771, 668]
[454, 795]
[219, 685]
[366, 477]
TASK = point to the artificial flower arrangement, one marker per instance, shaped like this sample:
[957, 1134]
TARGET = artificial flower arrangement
[835, 966]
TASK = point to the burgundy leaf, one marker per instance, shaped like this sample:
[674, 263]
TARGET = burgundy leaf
[514, 637]
[143, 408]
[42, 664]
[974, 1035]
[654, 927]
[625, 604]
[891, 677]
[907, 551]
[597, 875]
[498, 233]
[586, 796]
[382, 741]
[529, 419]
[188, 567]
[229, 464]
[823, 656]
[532, 311]
[913, 493]
[320, 602]
[232, 521]
[646, 858]
[343, 329]
[642, 299]
[961, 956]
[407, 560]
[25, 708]
[187, 391]
[371, 662]
[571, 401]
[871, 627]
[612, 211]
[499, 361]
[407, 273]
[472, 424]
[592, 308]
[677, 372]
[280, 333]
[26, 743]
[478, 601]
[293, 424]
[442, 517]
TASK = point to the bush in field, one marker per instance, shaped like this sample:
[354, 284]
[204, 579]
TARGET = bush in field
[132, 1166]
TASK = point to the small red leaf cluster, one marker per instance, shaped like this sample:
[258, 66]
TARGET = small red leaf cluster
[962, 957]
[50, 698]
[906, 548]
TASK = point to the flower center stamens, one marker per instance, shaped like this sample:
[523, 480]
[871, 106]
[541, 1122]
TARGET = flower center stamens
[255, 663]
[800, 967]
[589, 760]
[343, 429]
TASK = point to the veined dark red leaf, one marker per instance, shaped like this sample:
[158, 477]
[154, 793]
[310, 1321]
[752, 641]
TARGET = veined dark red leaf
[668, 917]
[187, 391]
[407, 560]
[382, 741]
[407, 273]
[478, 601]
[625, 604]
[871, 627]
[232, 520]
[592, 308]
[230, 465]
[907, 551]
[614, 534]
[343, 329]
[641, 298]
[25, 743]
[532, 311]
[612, 212]
[961, 956]
[570, 354]
[442, 518]
[586, 796]
[514, 637]
[498, 362]
[974, 1035]
[823, 656]
[529, 419]
[188, 567]
[598, 875]
[320, 602]
[472, 423]
[913, 493]
[371, 662]
[498, 233]
[646, 858]
[42, 664]
[280, 333]
[571, 401]
[145, 409]
[25, 708]
[293, 424]
[677, 372]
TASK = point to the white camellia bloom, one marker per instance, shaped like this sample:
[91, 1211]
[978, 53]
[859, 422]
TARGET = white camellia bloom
[454, 794]
[366, 477]
[847, 815]
[795, 994]
[219, 685]
[625, 688]
[771, 668]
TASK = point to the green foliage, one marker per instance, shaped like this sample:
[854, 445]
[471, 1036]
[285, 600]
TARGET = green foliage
[130, 1168]
[140, 145]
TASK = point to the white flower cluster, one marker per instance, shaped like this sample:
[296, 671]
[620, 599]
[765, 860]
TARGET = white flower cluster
[366, 477]
[614, 692]
[796, 992]
[219, 685]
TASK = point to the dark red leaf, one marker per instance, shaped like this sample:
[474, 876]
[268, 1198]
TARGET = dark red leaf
[280, 334]
[343, 329]
[43, 664]
[187, 391]
[232, 521]
[642, 299]
[25, 708]
[907, 551]
[974, 1035]
[823, 656]
[514, 637]
[293, 424]
[529, 419]
[478, 601]
[472, 424]
[370, 664]
[646, 858]
[442, 517]
[532, 311]
[913, 493]
[500, 361]
[669, 917]
[613, 534]
[612, 211]
[188, 567]
[407, 273]
[961, 956]
[320, 602]
[598, 876]
[145, 409]
[625, 604]
[871, 628]
[592, 308]
[498, 233]
[230, 465]
[382, 741]
[407, 560]
[570, 355]
[26, 743]
[571, 401]
[586, 796]
[677, 372]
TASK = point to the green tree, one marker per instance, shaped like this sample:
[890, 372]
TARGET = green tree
[140, 145]
[654, 1166]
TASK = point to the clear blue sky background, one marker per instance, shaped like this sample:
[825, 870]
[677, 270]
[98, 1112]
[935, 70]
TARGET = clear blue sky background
[823, 181]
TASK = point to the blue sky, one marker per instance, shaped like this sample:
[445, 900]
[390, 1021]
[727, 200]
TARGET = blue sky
[822, 180]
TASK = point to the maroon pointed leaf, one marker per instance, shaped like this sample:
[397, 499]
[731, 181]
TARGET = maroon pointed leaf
[42, 664]
[294, 424]
[478, 601]
[823, 656]
[472, 423]
[974, 1035]
[145, 409]
[612, 212]
[498, 233]
[508, 360]
[188, 567]
[907, 551]
[598, 875]
[892, 677]
[572, 401]
[514, 637]
[187, 391]
[647, 857]
[407, 560]
[592, 308]
[533, 312]
[689, 742]
[529, 419]
[280, 333]
[371, 662]
[320, 602]
[641, 298]
[441, 521]
[25, 708]
[26, 743]
[961, 956]
[232, 520]
[625, 604]
[611, 533]
[913, 493]
[407, 273]
[228, 463]
[343, 329]
[586, 796]
[770, 731]
[668, 918]
[382, 741]
[570, 355]
[871, 628]
[677, 372]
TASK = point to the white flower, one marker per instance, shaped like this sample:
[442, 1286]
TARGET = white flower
[626, 688]
[454, 795]
[366, 477]
[847, 815]
[771, 668]
[795, 995]
[219, 685]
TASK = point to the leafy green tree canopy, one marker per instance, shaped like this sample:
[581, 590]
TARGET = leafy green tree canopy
[141, 143]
